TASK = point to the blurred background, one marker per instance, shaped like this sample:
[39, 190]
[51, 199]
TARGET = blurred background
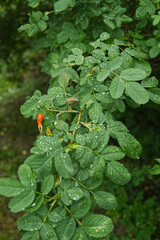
[138, 214]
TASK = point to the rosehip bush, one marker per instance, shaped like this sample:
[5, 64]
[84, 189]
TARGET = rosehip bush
[97, 55]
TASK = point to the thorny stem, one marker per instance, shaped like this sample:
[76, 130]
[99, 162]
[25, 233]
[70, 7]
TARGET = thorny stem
[72, 215]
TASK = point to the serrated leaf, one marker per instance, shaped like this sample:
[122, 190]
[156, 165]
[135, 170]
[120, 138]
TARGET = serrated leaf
[105, 200]
[41, 164]
[154, 95]
[10, 187]
[104, 36]
[57, 215]
[80, 235]
[31, 236]
[143, 65]
[63, 165]
[29, 222]
[28, 107]
[115, 63]
[137, 92]
[49, 143]
[48, 233]
[65, 198]
[133, 74]
[112, 153]
[47, 184]
[129, 144]
[75, 193]
[154, 51]
[61, 5]
[97, 225]
[117, 87]
[103, 75]
[32, 30]
[150, 82]
[42, 25]
[66, 229]
[21, 201]
[26, 177]
[80, 208]
[95, 111]
[33, 3]
[118, 173]
[155, 170]
[36, 204]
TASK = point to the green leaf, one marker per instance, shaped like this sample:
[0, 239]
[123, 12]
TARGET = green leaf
[31, 236]
[150, 82]
[75, 193]
[63, 165]
[47, 184]
[80, 235]
[154, 95]
[26, 177]
[33, 3]
[104, 36]
[129, 144]
[32, 30]
[155, 170]
[29, 222]
[62, 37]
[21, 201]
[74, 127]
[10, 187]
[115, 63]
[105, 200]
[80, 208]
[118, 173]
[61, 5]
[29, 107]
[57, 215]
[133, 74]
[66, 229]
[65, 198]
[141, 11]
[97, 225]
[117, 87]
[49, 143]
[36, 204]
[154, 52]
[137, 92]
[112, 153]
[61, 125]
[103, 75]
[143, 65]
[95, 111]
[41, 164]
[42, 25]
[48, 233]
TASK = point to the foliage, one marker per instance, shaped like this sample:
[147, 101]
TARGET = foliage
[98, 65]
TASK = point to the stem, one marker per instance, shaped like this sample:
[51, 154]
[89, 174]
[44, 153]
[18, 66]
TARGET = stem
[62, 111]
[79, 118]
[42, 194]
[115, 73]
[82, 185]
[52, 205]
[72, 215]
